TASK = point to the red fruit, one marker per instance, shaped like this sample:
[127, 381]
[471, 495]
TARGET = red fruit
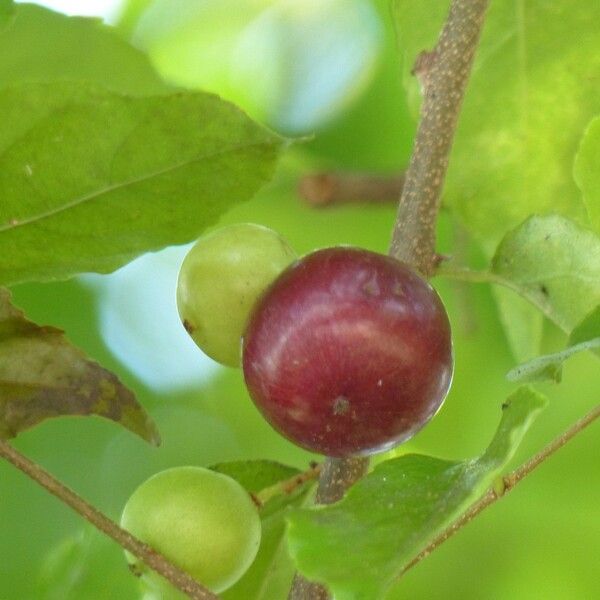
[348, 352]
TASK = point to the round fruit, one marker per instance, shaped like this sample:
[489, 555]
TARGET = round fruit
[220, 279]
[348, 352]
[204, 522]
[160, 589]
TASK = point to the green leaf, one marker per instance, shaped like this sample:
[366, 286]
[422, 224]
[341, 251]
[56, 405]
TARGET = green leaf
[39, 45]
[256, 475]
[131, 11]
[532, 92]
[586, 336]
[270, 576]
[90, 179]
[551, 262]
[523, 323]
[588, 329]
[43, 376]
[556, 263]
[271, 573]
[389, 517]
[6, 11]
[263, 478]
[587, 171]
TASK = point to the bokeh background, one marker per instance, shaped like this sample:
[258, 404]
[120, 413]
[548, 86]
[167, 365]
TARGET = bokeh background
[541, 542]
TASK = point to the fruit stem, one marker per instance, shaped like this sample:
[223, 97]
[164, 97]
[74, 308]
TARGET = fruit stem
[338, 475]
[151, 557]
[443, 73]
[506, 484]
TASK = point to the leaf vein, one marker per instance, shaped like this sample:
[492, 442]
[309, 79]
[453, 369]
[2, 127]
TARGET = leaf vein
[124, 184]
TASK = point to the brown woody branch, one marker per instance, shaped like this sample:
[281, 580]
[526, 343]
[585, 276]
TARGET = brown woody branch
[335, 188]
[180, 579]
[443, 74]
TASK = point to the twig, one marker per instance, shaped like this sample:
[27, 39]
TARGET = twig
[335, 188]
[288, 486]
[507, 484]
[151, 557]
[443, 74]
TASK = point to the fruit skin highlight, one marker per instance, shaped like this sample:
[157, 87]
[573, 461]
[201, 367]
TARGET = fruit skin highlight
[349, 352]
[204, 522]
[219, 281]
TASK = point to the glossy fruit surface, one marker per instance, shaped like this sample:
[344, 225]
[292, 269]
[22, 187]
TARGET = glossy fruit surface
[220, 279]
[204, 522]
[348, 352]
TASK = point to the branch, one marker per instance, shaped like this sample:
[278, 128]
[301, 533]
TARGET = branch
[288, 486]
[443, 73]
[507, 484]
[321, 190]
[151, 557]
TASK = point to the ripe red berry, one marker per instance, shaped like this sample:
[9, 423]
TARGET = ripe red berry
[348, 352]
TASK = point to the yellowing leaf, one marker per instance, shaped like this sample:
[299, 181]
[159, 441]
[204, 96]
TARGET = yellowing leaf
[42, 376]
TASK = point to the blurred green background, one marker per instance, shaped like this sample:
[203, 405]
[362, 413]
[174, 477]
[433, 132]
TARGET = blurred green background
[542, 541]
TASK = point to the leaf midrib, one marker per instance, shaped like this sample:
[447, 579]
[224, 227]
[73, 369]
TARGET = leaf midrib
[124, 184]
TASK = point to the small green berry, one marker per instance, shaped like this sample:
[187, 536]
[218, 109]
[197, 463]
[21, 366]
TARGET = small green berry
[204, 522]
[221, 279]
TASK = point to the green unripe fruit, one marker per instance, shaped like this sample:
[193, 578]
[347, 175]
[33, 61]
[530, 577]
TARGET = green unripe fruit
[220, 280]
[204, 522]
[161, 591]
